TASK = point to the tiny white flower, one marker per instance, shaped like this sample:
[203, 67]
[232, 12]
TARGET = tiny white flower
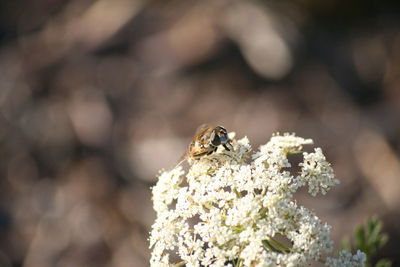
[317, 173]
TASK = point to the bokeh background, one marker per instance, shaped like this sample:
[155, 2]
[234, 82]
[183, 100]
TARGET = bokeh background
[97, 95]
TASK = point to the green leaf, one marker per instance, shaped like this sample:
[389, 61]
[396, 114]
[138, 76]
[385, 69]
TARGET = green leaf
[374, 231]
[280, 246]
[238, 229]
[384, 263]
[383, 240]
[360, 242]
[369, 239]
[263, 213]
[269, 246]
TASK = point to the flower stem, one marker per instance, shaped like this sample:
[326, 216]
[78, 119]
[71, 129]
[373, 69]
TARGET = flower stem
[238, 194]
[178, 264]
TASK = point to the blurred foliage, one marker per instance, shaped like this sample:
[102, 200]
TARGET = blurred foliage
[369, 239]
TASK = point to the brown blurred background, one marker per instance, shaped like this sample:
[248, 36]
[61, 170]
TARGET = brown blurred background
[97, 95]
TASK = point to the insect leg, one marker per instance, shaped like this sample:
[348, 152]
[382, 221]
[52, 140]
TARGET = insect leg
[210, 152]
[199, 155]
[228, 146]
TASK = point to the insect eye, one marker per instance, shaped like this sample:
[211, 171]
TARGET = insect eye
[216, 141]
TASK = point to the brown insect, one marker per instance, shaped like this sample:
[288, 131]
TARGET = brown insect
[206, 141]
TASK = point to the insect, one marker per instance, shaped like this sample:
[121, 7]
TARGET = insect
[206, 141]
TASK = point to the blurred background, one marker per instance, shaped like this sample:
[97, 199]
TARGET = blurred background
[96, 96]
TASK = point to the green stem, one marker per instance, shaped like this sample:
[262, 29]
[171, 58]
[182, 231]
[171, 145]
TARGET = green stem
[178, 264]
[238, 194]
[264, 191]
[239, 263]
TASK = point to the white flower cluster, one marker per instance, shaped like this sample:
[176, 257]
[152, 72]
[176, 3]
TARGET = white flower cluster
[228, 210]
[346, 259]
